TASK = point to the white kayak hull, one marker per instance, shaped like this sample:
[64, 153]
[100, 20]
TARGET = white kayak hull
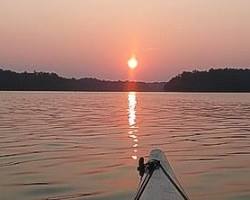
[159, 186]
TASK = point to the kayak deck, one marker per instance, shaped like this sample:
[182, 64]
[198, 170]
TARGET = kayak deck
[161, 184]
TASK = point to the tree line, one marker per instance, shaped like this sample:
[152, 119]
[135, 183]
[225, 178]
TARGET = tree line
[43, 81]
[213, 80]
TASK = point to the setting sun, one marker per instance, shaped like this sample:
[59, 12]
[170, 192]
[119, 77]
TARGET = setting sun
[132, 63]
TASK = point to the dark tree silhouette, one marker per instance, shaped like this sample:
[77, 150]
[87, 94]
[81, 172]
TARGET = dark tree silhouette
[214, 80]
[41, 81]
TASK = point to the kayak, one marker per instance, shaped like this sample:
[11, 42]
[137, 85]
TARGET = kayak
[158, 180]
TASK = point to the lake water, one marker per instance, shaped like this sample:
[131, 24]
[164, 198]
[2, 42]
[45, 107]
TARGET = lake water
[78, 145]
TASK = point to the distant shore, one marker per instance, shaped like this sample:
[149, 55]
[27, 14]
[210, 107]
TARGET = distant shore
[214, 80]
[43, 81]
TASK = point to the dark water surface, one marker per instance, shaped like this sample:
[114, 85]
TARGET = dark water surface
[85, 145]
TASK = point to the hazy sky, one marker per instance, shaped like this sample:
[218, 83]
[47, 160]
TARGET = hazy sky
[96, 37]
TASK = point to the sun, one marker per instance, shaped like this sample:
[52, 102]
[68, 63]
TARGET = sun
[132, 62]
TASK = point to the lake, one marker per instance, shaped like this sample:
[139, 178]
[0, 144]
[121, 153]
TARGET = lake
[80, 145]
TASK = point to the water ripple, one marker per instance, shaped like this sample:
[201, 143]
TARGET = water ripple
[73, 145]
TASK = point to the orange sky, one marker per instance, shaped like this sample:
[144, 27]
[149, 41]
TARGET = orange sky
[96, 37]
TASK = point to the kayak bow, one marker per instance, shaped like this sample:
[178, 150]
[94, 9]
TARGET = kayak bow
[158, 182]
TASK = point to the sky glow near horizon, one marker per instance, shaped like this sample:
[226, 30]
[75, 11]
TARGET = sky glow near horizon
[95, 38]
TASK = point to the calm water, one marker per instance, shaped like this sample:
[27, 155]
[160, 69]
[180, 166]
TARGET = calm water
[86, 145]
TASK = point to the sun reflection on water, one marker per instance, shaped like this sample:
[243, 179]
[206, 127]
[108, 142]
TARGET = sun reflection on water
[132, 133]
